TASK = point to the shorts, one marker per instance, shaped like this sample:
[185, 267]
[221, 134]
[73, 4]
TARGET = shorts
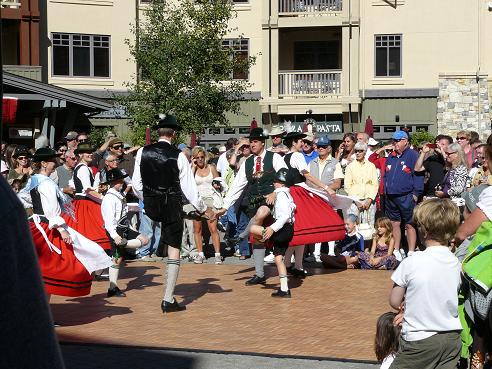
[171, 234]
[399, 208]
[281, 239]
[129, 234]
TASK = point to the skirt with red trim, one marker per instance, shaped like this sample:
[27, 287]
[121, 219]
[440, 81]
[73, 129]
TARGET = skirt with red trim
[89, 222]
[63, 274]
[315, 219]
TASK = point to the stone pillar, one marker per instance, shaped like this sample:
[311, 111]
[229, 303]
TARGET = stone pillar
[463, 104]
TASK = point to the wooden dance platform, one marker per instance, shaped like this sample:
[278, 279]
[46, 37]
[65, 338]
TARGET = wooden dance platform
[332, 314]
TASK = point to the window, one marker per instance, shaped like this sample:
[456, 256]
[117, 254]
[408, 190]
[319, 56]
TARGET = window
[240, 1]
[244, 130]
[240, 51]
[214, 131]
[229, 131]
[388, 55]
[311, 55]
[77, 55]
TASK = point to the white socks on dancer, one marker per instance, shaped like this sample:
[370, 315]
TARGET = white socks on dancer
[331, 248]
[259, 255]
[284, 285]
[317, 249]
[171, 278]
[114, 271]
[133, 244]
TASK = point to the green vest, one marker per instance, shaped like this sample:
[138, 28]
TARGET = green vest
[264, 184]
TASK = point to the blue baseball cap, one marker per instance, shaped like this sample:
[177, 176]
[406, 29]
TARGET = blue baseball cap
[323, 141]
[399, 135]
[182, 146]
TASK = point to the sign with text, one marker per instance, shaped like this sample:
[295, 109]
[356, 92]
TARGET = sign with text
[318, 127]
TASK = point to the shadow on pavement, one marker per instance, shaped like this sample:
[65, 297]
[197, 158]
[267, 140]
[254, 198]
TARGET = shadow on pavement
[193, 291]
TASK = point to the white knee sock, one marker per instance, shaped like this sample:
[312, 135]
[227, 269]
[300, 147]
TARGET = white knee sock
[317, 249]
[171, 278]
[114, 271]
[331, 248]
[284, 285]
[133, 244]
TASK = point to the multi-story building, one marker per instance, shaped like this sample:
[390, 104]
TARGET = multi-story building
[332, 62]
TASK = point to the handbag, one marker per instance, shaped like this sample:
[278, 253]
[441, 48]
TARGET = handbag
[365, 229]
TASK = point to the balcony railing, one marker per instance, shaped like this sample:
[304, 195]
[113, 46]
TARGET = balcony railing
[309, 83]
[299, 7]
[16, 4]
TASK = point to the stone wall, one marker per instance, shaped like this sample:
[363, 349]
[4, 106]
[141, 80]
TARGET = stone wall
[463, 104]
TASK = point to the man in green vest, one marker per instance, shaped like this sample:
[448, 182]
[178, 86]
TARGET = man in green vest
[255, 175]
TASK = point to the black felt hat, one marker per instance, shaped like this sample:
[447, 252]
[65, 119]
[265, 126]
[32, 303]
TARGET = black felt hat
[21, 151]
[167, 121]
[43, 154]
[294, 135]
[281, 175]
[258, 134]
[114, 175]
[84, 148]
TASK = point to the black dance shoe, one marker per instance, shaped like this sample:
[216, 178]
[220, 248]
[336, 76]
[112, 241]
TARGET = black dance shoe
[283, 294]
[255, 280]
[298, 273]
[116, 292]
[169, 307]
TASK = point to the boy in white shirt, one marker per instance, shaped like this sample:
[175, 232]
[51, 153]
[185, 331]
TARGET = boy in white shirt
[426, 288]
[281, 232]
[114, 212]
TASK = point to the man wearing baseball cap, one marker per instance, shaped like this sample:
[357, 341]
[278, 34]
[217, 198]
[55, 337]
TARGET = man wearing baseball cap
[402, 188]
[71, 139]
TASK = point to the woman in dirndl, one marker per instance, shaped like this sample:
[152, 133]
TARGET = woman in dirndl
[316, 221]
[66, 258]
[87, 204]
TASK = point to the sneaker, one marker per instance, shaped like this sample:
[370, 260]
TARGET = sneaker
[410, 253]
[403, 254]
[310, 259]
[218, 259]
[198, 259]
[317, 258]
[237, 253]
[397, 255]
[270, 258]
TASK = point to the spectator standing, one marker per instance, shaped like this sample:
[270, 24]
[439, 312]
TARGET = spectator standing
[308, 148]
[21, 168]
[276, 136]
[454, 182]
[222, 163]
[463, 138]
[361, 181]
[428, 282]
[71, 139]
[82, 137]
[345, 153]
[213, 155]
[431, 164]
[378, 158]
[115, 147]
[402, 189]
[481, 174]
[65, 172]
[204, 174]
[364, 137]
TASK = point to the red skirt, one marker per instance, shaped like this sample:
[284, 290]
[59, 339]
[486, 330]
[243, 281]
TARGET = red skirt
[89, 222]
[63, 274]
[315, 219]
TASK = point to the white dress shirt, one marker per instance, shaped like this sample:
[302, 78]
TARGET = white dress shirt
[240, 181]
[112, 211]
[298, 161]
[84, 174]
[186, 180]
[222, 164]
[283, 211]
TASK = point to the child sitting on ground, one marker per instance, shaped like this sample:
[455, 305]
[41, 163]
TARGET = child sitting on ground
[383, 243]
[280, 233]
[114, 212]
[386, 340]
[346, 250]
[429, 282]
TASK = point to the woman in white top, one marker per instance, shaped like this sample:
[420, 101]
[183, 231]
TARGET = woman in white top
[204, 174]
[87, 203]
[65, 270]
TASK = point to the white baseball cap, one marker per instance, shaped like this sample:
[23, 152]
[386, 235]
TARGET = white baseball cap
[372, 142]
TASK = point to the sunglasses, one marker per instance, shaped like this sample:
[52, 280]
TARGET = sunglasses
[82, 140]
[359, 151]
[117, 147]
[307, 142]
[62, 150]
[71, 139]
[71, 157]
[462, 138]
[22, 158]
[111, 161]
[395, 140]
[450, 153]
[322, 146]
[199, 157]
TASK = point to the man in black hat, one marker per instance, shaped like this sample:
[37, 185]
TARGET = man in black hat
[161, 177]
[258, 172]
[115, 215]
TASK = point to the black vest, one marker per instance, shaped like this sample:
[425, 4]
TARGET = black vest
[264, 184]
[293, 176]
[37, 206]
[77, 182]
[159, 169]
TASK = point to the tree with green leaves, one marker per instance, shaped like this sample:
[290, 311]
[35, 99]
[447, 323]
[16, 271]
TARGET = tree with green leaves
[185, 69]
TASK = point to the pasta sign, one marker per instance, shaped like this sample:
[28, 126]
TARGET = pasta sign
[318, 127]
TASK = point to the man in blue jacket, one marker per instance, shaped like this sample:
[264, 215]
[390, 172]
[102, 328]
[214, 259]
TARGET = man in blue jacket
[402, 187]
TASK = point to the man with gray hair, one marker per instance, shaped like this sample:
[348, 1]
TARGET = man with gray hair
[361, 181]
[364, 137]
